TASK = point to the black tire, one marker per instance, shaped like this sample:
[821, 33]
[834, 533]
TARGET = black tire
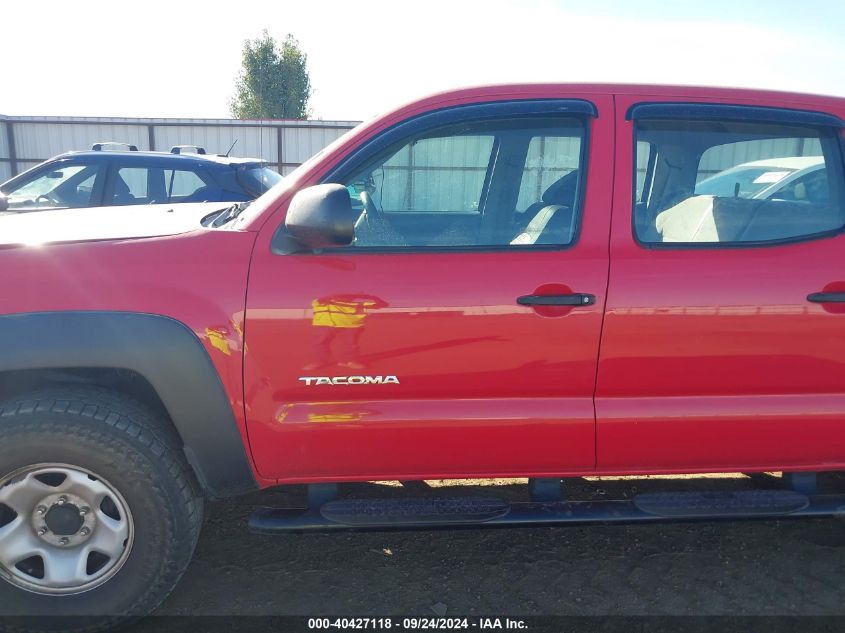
[125, 443]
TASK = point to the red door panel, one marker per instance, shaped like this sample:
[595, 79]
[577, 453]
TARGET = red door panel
[713, 359]
[485, 386]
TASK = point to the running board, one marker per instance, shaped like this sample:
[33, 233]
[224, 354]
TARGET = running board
[454, 512]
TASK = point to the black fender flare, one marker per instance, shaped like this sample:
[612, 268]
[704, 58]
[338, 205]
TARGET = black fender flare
[167, 353]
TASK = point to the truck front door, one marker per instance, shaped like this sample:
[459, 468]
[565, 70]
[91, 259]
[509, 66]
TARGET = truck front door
[436, 345]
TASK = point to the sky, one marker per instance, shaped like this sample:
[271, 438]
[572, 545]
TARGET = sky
[180, 58]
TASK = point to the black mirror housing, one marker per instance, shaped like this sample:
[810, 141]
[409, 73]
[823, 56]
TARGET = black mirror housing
[321, 217]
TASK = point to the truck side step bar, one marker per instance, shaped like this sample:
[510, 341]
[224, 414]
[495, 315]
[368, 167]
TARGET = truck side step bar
[688, 505]
[453, 512]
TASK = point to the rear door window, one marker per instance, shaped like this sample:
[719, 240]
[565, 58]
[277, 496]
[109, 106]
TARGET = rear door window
[153, 184]
[730, 182]
[131, 185]
[184, 185]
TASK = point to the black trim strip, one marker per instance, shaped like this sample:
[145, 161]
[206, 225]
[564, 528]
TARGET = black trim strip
[475, 112]
[826, 297]
[573, 299]
[727, 112]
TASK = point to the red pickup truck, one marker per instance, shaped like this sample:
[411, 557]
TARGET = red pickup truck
[536, 281]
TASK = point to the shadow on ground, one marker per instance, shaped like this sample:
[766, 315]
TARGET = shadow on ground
[751, 568]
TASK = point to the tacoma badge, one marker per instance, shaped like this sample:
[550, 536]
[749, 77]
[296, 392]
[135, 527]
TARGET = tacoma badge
[349, 380]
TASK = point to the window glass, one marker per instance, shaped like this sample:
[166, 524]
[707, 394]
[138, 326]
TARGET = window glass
[733, 182]
[644, 151]
[182, 184]
[130, 186]
[549, 159]
[257, 179]
[812, 187]
[59, 186]
[492, 183]
[155, 185]
[433, 175]
[138, 185]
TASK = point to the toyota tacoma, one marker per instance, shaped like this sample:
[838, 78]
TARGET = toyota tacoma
[520, 281]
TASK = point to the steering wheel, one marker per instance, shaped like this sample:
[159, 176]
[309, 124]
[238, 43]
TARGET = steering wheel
[46, 197]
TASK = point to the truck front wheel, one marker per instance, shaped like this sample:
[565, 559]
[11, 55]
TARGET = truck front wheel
[99, 512]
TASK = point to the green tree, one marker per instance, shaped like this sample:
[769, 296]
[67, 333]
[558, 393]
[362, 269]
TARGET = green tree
[273, 82]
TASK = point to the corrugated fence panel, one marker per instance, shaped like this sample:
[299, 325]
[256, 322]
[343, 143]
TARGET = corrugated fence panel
[301, 143]
[252, 142]
[45, 140]
[39, 138]
[4, 141]
[23, 165]
[723, 157]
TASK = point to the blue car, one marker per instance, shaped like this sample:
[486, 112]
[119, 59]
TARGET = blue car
[105, 177]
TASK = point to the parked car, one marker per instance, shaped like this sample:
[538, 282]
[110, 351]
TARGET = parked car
[104, 177]
[506, 301]
[788, 178]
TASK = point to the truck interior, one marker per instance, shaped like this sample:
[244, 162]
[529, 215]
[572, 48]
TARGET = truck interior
[498, 189]
[668, 208]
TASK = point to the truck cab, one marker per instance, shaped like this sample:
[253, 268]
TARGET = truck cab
[554, 296]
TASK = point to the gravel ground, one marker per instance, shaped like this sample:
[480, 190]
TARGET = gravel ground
[753, 568]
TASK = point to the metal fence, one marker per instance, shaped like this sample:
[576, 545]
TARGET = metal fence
[26, 141]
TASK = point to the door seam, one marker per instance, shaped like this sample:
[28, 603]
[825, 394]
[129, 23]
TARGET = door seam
[607, 283]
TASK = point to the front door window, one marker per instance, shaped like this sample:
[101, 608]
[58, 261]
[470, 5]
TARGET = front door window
[59, 186]
[478, 185]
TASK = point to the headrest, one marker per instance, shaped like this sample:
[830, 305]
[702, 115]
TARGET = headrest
[562, 190]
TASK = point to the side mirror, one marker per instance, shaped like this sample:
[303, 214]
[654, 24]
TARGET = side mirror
[4, 202]
[321, 217]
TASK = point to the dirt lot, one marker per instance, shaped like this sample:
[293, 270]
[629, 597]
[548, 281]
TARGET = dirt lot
[755, 568]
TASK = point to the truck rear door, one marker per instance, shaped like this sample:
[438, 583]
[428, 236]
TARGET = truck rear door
[722, 346]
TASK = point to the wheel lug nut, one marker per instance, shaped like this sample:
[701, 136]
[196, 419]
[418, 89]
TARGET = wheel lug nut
[62, 500]
[40, 509]
[84, 510]
[64, 540]
[42, 531]
[85, 531]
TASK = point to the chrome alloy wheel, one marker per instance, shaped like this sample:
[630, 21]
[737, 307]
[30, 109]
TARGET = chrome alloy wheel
[63, 530]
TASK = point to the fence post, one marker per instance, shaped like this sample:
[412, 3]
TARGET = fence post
[280, 155]
[13, 155]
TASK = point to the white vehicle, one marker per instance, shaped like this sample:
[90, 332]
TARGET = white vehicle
[796, 178]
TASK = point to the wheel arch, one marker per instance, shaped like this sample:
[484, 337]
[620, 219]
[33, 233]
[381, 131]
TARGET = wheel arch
[155, 359]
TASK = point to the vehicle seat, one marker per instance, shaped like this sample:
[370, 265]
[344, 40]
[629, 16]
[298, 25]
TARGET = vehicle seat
[551, 225]
[691, 220]
[560, 192]
[713, 219]
[782, 219]
[122, 193]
